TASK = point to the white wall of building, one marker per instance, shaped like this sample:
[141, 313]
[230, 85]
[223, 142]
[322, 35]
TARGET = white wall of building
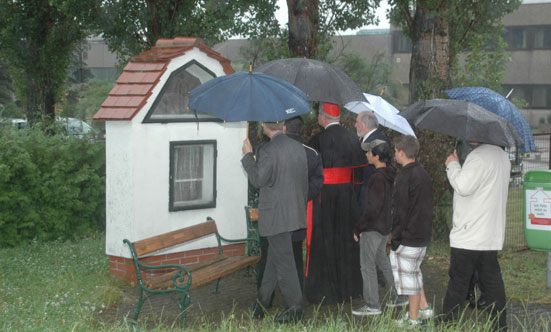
[138, 174]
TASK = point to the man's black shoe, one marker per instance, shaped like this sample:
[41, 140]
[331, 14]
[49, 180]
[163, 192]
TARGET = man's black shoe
[472, 299]
[481, 303]
[290, 316]
[258, 311]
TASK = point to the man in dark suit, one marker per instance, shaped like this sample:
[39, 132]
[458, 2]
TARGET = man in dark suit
[293, 128]
[366, 128]
[280, 172]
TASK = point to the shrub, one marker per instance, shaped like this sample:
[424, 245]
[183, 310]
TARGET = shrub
[51, 186]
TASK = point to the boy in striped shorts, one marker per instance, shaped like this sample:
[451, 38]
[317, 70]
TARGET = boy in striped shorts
[411, 229]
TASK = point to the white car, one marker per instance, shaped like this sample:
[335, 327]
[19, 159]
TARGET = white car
[74, 126]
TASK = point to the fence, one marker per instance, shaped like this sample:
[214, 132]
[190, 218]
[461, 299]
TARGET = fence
[514, 236]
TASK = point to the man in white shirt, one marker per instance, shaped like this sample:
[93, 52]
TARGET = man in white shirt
[480, 187]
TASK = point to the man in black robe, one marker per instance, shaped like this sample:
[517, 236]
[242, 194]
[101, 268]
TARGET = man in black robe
[333, 264]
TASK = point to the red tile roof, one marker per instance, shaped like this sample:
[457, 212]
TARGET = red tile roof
[142, 74]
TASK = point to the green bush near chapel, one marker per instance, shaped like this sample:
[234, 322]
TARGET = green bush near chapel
[51, 186]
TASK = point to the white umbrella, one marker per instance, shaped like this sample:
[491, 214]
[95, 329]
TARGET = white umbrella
[386, 113]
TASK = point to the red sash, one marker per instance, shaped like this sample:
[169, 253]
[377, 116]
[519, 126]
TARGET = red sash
[337, 175]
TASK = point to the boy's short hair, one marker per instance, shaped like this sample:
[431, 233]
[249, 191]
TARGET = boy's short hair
[379, 148]
[408, 144]
[294, 125]
[274, 126]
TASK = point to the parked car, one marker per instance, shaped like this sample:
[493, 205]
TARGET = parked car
[73, 126]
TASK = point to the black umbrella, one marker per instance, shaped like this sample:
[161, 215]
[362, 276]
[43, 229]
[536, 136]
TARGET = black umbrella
[462, 120]
[321, 81]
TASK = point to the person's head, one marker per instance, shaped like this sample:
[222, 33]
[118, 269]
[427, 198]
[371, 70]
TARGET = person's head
[365, 122]
[378, 152]
[406, 149]
[271, 128]
[328, 113]
[293, 126]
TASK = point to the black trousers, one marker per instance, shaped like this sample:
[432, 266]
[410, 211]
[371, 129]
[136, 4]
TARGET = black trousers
[280, 269]
[463, 263]
[297, 253]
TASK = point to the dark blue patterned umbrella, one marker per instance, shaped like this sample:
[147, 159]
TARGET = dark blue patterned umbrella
[496, 103]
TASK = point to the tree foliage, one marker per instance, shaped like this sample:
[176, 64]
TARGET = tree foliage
[375, 77]
[485, 60]
[439, 31]
[132, 26]
[37, 40]
[83, 100]
[6, 87]
[312, 23]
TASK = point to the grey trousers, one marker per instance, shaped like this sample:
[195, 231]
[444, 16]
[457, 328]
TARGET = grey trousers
[280, 268]
[373, 254]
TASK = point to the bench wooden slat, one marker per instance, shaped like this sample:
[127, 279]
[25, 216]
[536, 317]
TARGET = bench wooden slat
[167, 240]
[223, 268]
[161, 280]
[212, 272]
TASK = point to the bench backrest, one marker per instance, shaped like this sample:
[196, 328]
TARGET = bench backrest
[167, 240]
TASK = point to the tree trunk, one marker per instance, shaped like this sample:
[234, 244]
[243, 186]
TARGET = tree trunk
[32, 101]
[303, 27]
[49, 104]
[429, 72]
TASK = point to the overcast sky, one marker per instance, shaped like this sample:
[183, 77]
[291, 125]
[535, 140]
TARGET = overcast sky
[282, 17]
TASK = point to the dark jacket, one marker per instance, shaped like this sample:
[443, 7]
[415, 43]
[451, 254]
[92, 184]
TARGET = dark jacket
[315, 180]
[280, 171]
[369, 169]
[412, 207]
[376, 216]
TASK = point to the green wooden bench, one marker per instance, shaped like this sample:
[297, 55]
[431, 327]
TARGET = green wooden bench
[179, 278]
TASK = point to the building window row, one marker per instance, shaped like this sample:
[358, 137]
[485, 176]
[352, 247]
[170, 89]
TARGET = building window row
[517, 38]
[537, 96]
[528, 37]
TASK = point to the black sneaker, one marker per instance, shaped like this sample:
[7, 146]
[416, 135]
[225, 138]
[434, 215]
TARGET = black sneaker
[258, 311]
[290, 316]
[399, 301]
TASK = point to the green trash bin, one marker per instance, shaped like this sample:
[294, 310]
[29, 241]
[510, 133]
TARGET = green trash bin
[537, 209]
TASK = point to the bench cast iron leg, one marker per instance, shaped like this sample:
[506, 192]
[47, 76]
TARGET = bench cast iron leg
[139, 307]
[184, 302]
[215, 289]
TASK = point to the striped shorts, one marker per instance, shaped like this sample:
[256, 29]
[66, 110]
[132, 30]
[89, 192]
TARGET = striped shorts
[406, 268]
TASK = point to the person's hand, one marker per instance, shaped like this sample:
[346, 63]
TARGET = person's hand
[452, 157]
[247, 147]
[356, 238]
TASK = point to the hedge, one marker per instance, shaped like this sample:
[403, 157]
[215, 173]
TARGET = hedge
[51, 186]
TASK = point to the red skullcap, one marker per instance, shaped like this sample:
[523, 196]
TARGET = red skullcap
[332, 109]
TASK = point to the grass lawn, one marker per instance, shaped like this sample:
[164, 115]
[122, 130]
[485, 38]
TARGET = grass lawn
[63, 286]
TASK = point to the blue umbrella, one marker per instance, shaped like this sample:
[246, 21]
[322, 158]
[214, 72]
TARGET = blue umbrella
[496, 103]
[249, 96]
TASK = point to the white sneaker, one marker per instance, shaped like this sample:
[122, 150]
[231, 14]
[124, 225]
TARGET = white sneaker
[366, 311]
[426, 313]
[408, 323]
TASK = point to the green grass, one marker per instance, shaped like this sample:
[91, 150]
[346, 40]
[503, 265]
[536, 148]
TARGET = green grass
[64, 286]
[56, 286]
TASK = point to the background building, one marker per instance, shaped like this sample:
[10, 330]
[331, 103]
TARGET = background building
[528, 75]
